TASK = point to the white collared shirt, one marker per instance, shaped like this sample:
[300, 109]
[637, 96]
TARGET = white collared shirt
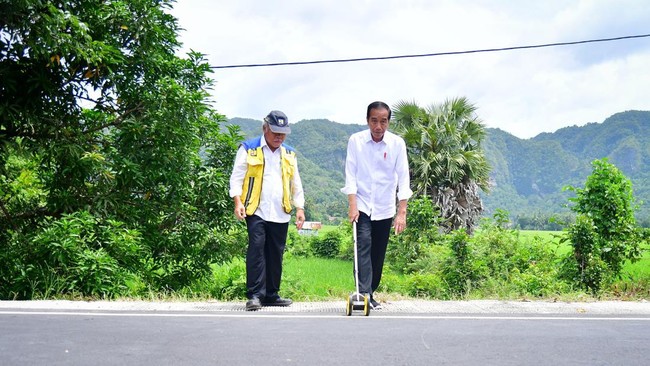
[270, 207]
[375, 171]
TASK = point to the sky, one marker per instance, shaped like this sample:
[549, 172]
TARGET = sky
[523, 92]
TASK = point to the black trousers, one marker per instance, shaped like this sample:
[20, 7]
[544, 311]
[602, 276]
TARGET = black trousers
[266, 242]
[372, 241]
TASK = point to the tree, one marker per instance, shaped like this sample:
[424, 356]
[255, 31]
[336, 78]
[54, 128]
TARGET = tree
[605, 233]
[101, 124]
[447, 160]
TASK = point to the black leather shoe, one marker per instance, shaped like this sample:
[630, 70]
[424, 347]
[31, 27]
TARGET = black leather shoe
[277, 302]
[253, 304]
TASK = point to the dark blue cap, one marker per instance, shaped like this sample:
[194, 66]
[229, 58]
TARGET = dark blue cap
[278, 122]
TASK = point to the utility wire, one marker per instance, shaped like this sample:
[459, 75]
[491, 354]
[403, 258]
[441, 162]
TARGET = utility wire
[430, 54]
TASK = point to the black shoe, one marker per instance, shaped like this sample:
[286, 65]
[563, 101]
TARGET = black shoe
[253, 304]
[374, 304]
[277, 302]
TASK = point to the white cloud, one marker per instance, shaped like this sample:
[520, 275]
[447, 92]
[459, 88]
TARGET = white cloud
[523, 92]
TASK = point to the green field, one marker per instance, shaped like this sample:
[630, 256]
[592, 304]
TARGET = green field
[314, 279]
[309, 278]
[638, 269]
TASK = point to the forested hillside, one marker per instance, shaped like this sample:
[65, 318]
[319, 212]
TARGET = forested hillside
[527, 175]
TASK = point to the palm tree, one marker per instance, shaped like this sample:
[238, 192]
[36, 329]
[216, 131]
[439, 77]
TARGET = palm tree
[447, 161]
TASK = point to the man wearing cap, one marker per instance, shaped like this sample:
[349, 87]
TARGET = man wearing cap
[265, 186]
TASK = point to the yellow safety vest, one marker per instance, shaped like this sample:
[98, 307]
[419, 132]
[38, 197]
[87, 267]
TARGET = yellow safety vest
[252, 187]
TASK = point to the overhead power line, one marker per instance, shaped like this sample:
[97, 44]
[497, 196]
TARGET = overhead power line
[429, 54]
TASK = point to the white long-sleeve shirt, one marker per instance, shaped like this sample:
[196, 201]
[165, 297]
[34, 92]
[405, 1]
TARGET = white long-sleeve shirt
[270, 207]
[375, 172]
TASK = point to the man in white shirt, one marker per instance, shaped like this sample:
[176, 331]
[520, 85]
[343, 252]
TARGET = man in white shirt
[265, 186]
[376, 172]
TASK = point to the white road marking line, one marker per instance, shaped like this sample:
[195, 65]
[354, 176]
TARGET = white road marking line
[332, 316]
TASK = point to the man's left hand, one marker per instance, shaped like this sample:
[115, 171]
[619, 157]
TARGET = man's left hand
[300, 218]
[400, 223]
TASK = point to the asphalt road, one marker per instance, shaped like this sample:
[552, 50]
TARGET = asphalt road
[403, 333]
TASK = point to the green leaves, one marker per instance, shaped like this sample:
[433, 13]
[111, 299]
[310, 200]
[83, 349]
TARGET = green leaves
[102, 126]
[78, 254]
[605, 234]
[444, 143]
[446, 158]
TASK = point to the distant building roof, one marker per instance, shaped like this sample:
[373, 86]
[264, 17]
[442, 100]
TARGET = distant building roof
[312, 225]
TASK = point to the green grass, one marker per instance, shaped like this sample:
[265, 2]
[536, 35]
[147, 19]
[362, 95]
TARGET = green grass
[635, 282]
[314, 279]
[326, 228]
[639, 269]
[319, 279]
[546, 236]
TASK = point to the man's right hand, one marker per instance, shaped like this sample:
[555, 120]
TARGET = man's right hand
[240, 210]
[353, 215]
[353, 212]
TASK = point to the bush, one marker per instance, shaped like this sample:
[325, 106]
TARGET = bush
[229, 280]
[493, 262]
[458, 267]
[421, 231]
[326, 246]
[346, 250]
[605, 233]
[77, 254]
[427, 285]
[297, 245]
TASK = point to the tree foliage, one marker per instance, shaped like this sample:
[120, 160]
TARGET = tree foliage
[446, 157]
[605, 234]
[421, 231]
[102, 124]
